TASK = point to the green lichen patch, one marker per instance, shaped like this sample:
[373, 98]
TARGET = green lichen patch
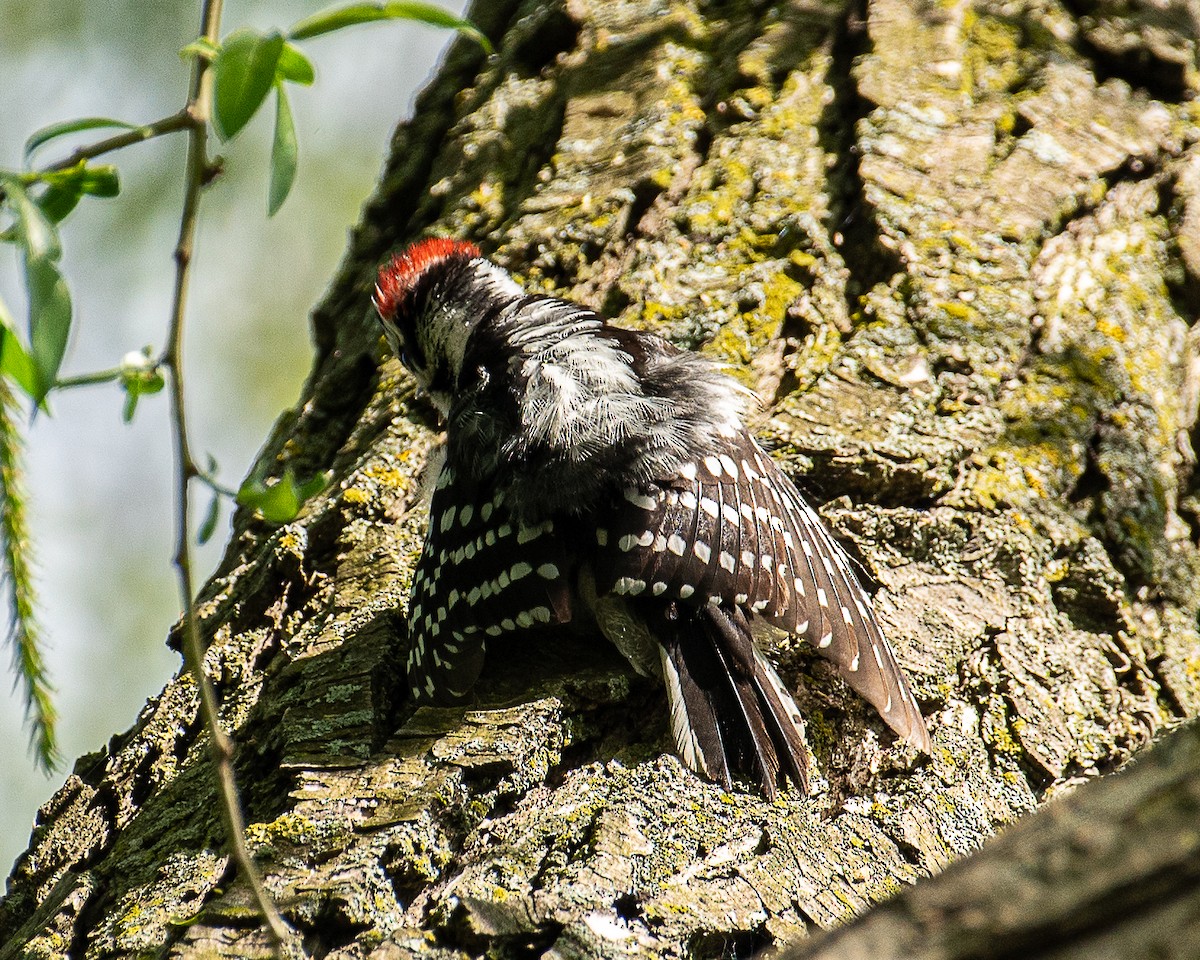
[147, 916]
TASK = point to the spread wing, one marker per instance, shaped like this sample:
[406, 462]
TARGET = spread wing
[480, 575]
[729, 528]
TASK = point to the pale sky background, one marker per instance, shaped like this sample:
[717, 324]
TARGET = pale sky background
[101, 492]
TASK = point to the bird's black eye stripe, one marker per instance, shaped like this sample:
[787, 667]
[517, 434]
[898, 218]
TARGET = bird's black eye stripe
[402, 336]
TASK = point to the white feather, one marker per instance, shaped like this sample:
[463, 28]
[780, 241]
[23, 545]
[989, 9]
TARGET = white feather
[681, 726]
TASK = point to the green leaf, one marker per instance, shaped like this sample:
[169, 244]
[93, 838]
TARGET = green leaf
[57, 202]
[140, 366]
[201, 47]
[101, 181]
[36, 232]
[244, 72]
[280, 501]
[55, 130]
[65, 188]
[326, 21]
[294, 66]
[129, 408]
[314, 485]
[284, 153]
[16, 363]
[14, 360]
[49, 299]
[49, 320]
[209, 525]
[140, 376]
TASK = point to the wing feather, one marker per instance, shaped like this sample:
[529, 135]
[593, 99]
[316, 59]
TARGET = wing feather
[787, 567]
[481, 574]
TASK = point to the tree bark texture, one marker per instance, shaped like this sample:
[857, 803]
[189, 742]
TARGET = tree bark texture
[1111, 872]
[955, 248]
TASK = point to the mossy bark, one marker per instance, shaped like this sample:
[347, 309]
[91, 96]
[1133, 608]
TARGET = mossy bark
[954, 247]
[1111, 872]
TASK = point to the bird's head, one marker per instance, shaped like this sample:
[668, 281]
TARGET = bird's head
[427, 301]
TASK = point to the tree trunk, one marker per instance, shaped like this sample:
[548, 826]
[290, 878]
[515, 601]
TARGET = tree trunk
[954, 248]
[1110, 873]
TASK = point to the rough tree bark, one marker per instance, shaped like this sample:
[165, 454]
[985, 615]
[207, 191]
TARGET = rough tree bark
[1112, 872]
[954, 247]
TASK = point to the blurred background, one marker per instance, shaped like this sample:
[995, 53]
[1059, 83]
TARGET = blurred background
[100, 491]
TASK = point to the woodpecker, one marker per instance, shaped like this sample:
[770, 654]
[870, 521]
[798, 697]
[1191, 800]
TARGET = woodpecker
[594, 474]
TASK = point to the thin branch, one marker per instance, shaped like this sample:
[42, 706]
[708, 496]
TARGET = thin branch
[88, 379]
[198, 109]
[183, 120]
[215, 485]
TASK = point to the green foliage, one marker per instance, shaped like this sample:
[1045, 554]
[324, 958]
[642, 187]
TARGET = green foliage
[140, 375]
[208, 476]
[49, 299]
[341, 17]
[49, 320]
[56, 130]
[294, 66]
[284, 151]
[14, 360]
[208, 526]
[248, 63]
[279, 500]
[243, 74]
[65, 188]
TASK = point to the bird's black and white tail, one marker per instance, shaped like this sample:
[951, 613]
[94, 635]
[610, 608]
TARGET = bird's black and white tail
[730, 712]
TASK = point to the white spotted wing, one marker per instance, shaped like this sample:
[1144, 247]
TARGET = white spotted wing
[729, 528]
[480, 575]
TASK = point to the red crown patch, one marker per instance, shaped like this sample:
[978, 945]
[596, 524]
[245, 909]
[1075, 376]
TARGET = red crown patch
[398, 277]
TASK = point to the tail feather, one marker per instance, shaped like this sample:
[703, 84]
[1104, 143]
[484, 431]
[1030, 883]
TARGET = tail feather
[694, 722]
[737, 656]
[730, 712]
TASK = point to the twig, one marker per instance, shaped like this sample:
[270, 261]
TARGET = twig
[88, 379]
[215, 485]
[198, 111]
[183, 120]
